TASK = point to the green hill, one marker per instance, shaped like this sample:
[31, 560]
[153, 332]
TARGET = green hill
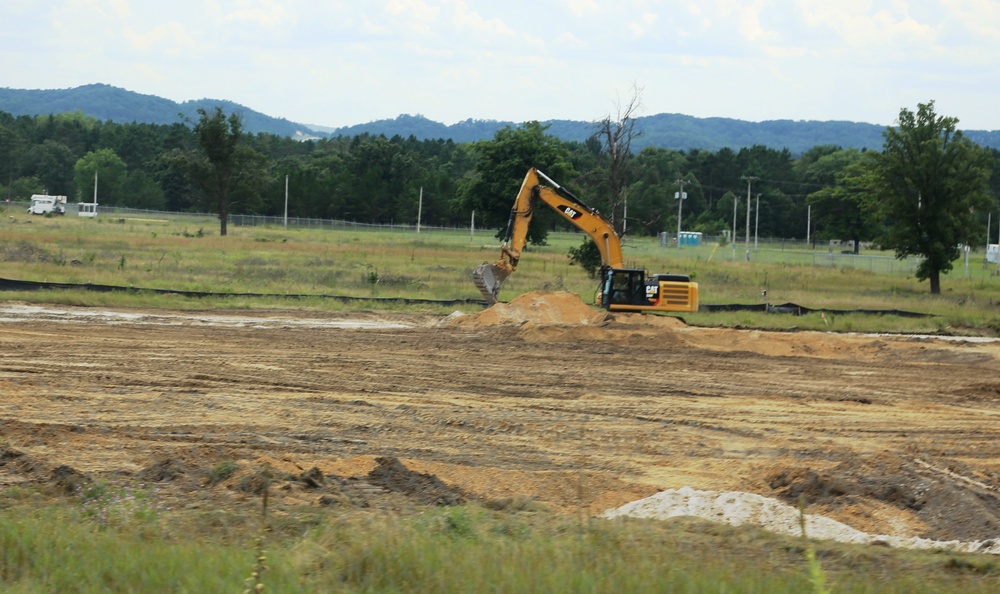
[107, 103]
[672, 131]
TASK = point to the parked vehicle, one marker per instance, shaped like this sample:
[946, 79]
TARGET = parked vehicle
[44, 204]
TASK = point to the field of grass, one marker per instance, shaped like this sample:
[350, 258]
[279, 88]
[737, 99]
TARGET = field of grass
[187, 254]
[456, 549]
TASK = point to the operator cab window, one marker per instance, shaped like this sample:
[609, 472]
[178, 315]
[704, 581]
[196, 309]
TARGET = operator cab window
[628, 287]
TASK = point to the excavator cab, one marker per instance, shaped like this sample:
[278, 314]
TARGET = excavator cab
[625, 286]
[628, 289]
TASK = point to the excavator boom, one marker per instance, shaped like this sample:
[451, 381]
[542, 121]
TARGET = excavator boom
[622, 289]
[488, 277]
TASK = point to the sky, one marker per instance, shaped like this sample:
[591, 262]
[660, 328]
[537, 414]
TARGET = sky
[340, 63]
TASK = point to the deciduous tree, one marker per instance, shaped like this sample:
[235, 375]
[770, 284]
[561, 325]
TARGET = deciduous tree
[224, 168]
[111, 175]
[838, 207]
[500, 169]
[927, 184]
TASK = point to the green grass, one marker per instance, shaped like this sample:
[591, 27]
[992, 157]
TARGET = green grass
[186, 254]
[53, 548]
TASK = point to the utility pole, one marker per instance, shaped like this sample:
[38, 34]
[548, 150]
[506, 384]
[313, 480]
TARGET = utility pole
[736, 200]
[680, 196]
[420, 208]
[809, 217]
[749, 179]
[756, 221]
[286, 202]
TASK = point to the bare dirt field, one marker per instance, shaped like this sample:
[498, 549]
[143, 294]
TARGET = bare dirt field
[541, 399]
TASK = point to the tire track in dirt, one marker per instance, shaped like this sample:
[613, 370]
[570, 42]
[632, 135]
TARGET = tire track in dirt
[630, 405]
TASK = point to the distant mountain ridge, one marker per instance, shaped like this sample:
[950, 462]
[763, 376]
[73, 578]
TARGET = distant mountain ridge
[105, 102]
[671, 131]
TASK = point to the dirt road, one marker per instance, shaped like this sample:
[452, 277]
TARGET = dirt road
[891, 435]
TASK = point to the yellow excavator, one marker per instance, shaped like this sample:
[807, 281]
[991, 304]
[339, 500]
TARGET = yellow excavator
[621, 289]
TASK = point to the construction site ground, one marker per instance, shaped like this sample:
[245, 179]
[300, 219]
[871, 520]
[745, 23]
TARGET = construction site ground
[542, 400]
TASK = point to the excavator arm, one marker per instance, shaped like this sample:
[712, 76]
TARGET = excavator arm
[489, 277]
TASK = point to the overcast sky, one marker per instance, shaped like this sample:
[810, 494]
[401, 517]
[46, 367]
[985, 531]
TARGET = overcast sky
[339, 63]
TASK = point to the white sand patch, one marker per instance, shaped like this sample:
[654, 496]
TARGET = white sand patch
[69, 315]
[736, 508]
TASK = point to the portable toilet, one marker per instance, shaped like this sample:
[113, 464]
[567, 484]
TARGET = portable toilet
[690, 238]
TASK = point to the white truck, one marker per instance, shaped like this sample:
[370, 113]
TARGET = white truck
[44, 204]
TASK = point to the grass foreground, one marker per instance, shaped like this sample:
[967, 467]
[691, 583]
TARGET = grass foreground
[471, 548]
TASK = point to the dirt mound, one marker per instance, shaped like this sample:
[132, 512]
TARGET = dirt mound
[163, 471]
[949, 501]
[390, 474]
[558, 308]
[18, 468]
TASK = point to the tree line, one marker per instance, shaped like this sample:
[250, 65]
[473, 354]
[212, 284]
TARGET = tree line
[926, 192]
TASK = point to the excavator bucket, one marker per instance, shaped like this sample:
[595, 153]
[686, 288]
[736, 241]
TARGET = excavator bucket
[488, 278]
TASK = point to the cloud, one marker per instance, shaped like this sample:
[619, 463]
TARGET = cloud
[581, 8]
[171, 38]
[981, 17]
[865, 24]
[644, 25]
[416, 9]
[471, 22]
[338, 62]
[262, 13]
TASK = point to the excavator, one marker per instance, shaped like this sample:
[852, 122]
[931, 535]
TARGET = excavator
[621, 289]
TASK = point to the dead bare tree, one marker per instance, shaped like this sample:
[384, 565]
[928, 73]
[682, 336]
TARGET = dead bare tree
[616, 134]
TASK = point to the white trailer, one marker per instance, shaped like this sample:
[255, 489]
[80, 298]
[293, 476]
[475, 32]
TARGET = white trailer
[87, 209]
[44, 204]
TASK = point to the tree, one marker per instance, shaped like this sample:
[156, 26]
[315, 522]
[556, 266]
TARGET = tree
[225, 169]
[140, 190]
[927, 183]
[53, 165]
[380, 169]
[500, 169]
[616, 134]
[111, 175]
[652, 205]
[838, 207]
[11, 150]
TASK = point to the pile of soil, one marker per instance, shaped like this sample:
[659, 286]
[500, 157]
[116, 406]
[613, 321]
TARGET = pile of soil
[946, 500]
[392, 475]
[547, 308]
